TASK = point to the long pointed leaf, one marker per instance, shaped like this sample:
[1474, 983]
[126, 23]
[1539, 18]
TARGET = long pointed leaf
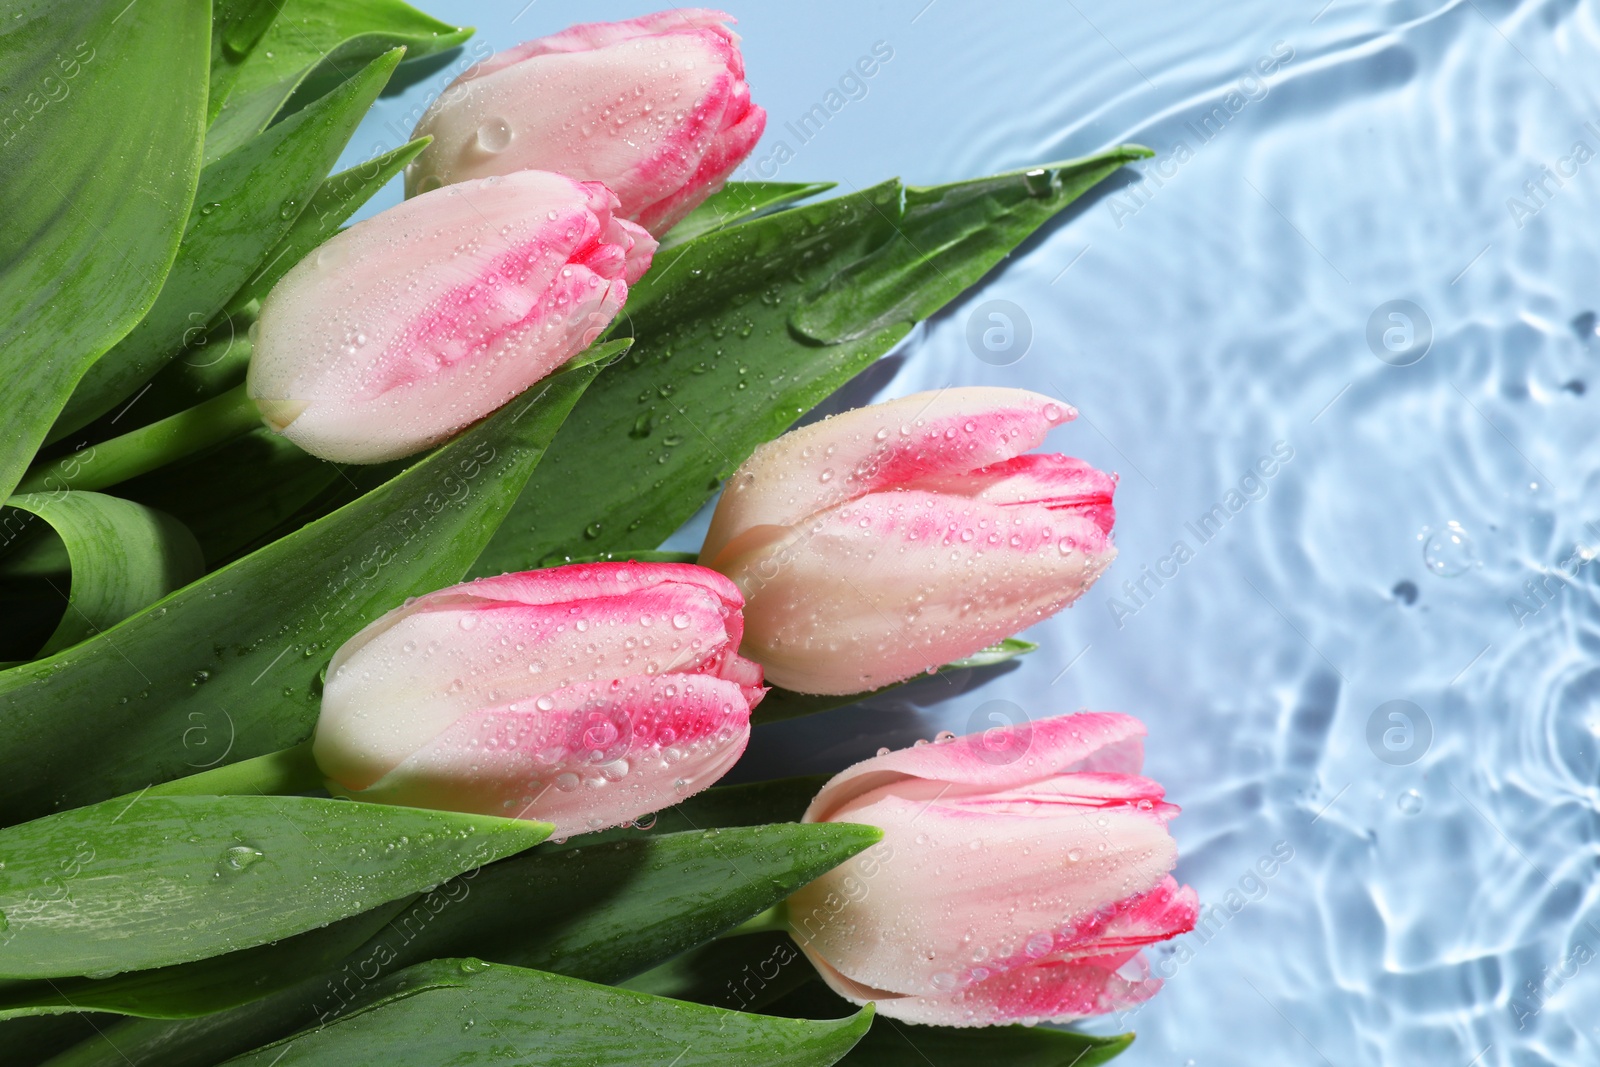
[743, 330]
[124, 557]
[737, 202]
[245, 203]
[101, 140]
[596, 911]
[141, 882]
[236, 27]
[225, 668]
[465, 1012]
[216, 983]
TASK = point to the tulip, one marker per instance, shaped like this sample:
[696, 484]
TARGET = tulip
[411, 325]
[655, 107]
[1016, 881]
[585, 696]
[889, 540]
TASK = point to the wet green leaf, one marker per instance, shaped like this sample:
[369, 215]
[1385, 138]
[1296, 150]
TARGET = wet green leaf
[465, 1012]
[747, 328]
[312, 46]
[226, 668]
[150, 881]
[105, 107]
[247, 201]
[603, 911]
[737, 202]
[208, 985]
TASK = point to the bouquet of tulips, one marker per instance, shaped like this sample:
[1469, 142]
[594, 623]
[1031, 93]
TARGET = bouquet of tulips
[348, 715]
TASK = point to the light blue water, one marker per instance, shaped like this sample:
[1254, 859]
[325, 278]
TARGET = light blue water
[1201, 321]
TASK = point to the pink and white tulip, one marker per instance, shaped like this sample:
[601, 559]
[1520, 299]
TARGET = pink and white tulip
[655, 107]
[886, 541]
[415, 323]
[1018, 888]
[584, 696]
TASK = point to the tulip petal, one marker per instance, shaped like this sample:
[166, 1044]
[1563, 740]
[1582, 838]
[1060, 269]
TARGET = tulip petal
[893, 584]
[655, 108]
[408, 676]
[1049, 991]
[741, 127]
[586, 36]
[882, 446]
[1085, 742]
[408, 326]
[969, 888]
[1048, 480]
[583, 758]
[587, 581]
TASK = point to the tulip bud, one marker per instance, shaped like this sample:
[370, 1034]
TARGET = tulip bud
[1015, 882]
[417, 322]
[889, 540]
[655, 107]
[584, 696]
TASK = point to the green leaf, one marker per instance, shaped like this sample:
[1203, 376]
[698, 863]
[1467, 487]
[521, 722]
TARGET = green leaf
[237, 492]
[344, 34]
[225, 668]
[720, 367]
[123, 557]
[464, 1012]
[335, 200]
[30, 1041]
[217, 361]
[310, 47]
[236, 27]
[942, 232]
[892, 1043]
[780, 704]
[594, 912]
[151, 881]
[611, 910]
[208, 985]
[101, 139]
[743, 973]
[247, 201]
[779, 800]
[737, 202]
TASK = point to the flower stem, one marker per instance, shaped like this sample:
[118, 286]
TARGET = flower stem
[149, 447]
[282, 773]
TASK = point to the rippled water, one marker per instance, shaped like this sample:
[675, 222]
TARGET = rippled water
[1425, 541]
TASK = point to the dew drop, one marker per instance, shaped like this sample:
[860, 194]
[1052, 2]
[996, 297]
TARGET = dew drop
[239, 858]
[494, 136]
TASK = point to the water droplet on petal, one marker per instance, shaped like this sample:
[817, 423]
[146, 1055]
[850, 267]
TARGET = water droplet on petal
[494, 136]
